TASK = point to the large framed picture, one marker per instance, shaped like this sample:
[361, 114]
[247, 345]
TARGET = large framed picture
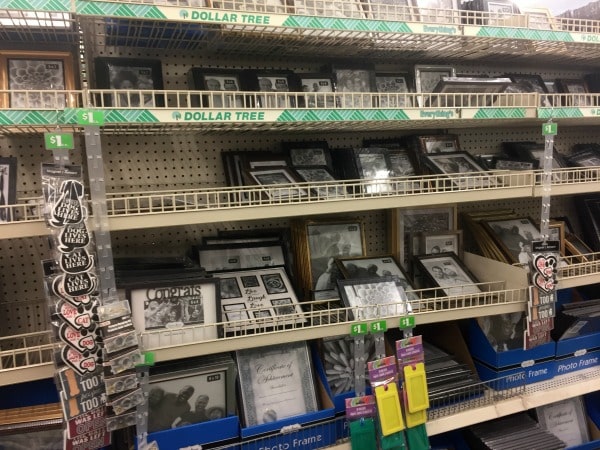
[372, 298]
[221, 83]
[410, 221]
[184, 311]
[23, 71]
[460, 163]
[265, 398]
[513, 236]
[214, 258]
[319, 88]
[447, 272]
[8, 187]
[200, 391]
[275, 176]
[136, 77]
[325, 241]
[257, 299]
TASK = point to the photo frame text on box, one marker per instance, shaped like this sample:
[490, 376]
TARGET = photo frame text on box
[176, 305]
[50, 71]
[446, 271]
[222, 82]
[264, 397]
[372, 298]
[137, 77]
[8, 187]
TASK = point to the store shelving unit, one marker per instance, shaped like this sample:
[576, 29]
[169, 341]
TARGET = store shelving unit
[149, 29]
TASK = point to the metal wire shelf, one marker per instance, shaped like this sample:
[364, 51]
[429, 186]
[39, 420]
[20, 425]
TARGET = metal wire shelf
[26, 350]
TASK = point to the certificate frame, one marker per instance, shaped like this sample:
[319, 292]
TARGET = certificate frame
[447, 272]
[512, 235]
[16, 67]
[553, 418]
[174, 306]
[215, 258]
[372, 298]
[216, 80]
[8, 187]
[130, 74]
[268, 365]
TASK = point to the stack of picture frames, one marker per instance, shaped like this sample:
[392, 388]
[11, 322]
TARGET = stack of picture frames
[256, 291]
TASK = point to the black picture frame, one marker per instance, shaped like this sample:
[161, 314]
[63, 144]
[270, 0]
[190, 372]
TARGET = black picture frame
[579, 90]
[280, 83]
[352, 80]
[8, 187]
[319, 88]
[272, 176]
[535, 83]
[227, 257]
[133, 75]
[321, 178]
[217, 80]
[586, 157]
[509, 163]
[513, 236]
[308, 153]
[478, 92]
[588, 207]
[447, 272]
[459, 163]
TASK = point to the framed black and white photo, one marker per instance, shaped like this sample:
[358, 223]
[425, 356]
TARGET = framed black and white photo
[391, 86]
[401, 163]
[8, 187]
[513, 236]
[372, 165]
[183, 311]
[136, 77]
[565, 419]
[446, 271]
[372, 298]
[214, 258]
[199, 391]
[409, 221]
[23, 71]
[319, 88]
[433, 243]
[478, 92]
[427, 78]
[221, 83]
[258, 294]
[276, 83]
[310, 153]
[275, 176]
[265, 398]
[585, 158]
[459, 163]
[503, 331]
[439, 143]
[353, 80]
[324, 182]
[578, 89]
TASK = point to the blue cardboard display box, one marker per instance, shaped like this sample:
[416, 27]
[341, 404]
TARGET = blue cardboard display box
[578, 344]
[217, 432]
[518, 366]
[307, 431]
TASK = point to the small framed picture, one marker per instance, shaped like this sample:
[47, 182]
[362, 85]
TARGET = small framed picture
[447, 272]
[409, 221]
[513, 236]
[427, 78]
[315, 153]
[183, 305]
[136, 77]
[214, 258]
[319, 88]
[373, 267]
[276, 83]
[23, 71]
[275, 176]
[353, 80]
[371, 298]
[459, 163]
[577, 88]
[391, 86]
[8, 187]
[372, 164]
[221, 83]
[439, 143]
[433, 243]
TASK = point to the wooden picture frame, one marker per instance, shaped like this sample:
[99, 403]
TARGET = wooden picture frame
[8, 187]
[222, 83]
[51, 71]
[137, 77]
[446, 271]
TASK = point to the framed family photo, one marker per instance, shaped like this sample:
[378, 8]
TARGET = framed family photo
[447, 272]
[391, 86]
[8, 187]
[134, 76]
[221, 83]
[432, 243]
[190, 307]
[513, 236]
[23, 71]
[353, 80]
